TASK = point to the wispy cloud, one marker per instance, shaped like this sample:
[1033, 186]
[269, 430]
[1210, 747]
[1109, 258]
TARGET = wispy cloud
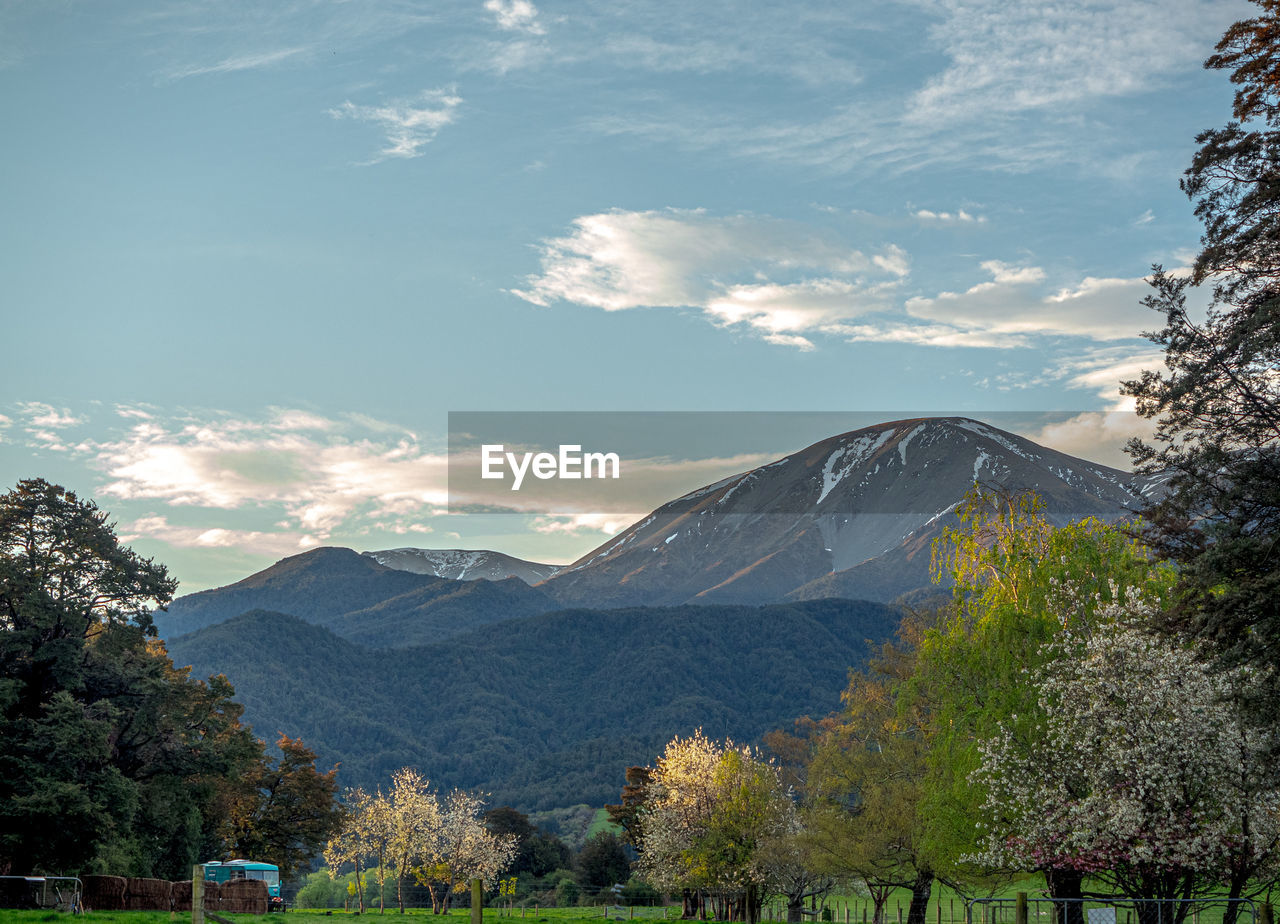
[239, 35]
[409, 125]
[1014, 88]
[241, 62]
[1102, 435]
[44, 424]
[39, 414]
[515, 16]
[257, 542]
[1007, 58]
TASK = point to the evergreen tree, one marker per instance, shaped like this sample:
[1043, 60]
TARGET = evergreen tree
[114, 760]
[1217, 402]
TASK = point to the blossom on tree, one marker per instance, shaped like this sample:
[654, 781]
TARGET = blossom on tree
[1142, 769]
[712, 825]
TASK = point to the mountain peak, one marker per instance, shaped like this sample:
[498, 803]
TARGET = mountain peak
[463, 564]
[855, 500]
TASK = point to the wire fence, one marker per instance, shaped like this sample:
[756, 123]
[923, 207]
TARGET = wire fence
[1114, 910]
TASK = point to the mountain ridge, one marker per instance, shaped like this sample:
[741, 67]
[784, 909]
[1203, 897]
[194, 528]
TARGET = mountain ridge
[850, 516]
[464, 564]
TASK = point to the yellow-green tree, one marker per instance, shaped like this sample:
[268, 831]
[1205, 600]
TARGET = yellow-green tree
[1020, 581]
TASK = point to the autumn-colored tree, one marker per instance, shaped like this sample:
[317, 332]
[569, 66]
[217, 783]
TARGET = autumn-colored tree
[865, 779]
[289, 811]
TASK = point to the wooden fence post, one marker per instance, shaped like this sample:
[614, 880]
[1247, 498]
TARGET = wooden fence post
[477, 902]
[197, 895]
[1020, 909]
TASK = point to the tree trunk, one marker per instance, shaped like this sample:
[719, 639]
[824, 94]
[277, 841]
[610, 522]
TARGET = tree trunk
[1065, 884]
[921, 889]
[795, 905]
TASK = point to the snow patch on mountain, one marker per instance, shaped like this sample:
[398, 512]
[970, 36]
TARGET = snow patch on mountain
[906, 441]
[848, 457]
[974, 426]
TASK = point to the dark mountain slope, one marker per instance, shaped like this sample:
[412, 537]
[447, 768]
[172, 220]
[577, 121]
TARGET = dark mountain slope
[543, 711]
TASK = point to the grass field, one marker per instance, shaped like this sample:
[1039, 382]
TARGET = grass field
[944, 908]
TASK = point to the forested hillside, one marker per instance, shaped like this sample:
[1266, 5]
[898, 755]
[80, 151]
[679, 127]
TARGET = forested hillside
[544, 711]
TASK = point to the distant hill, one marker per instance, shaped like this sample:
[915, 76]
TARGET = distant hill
[464, 564]
[543, 711]
[850, 516]
[359, 599]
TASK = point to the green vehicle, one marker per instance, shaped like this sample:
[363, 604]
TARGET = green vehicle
[269, 873]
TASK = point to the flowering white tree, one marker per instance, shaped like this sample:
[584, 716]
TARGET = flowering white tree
[712, 825]
[1142, 770]
[416, 822]
[461, 848]
[347, 845]
[411, 831]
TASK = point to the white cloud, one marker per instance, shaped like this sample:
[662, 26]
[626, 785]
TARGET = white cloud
[1101, 435]
[1097, 435]
[516, 16]
[576, 524]
[780, 312]
[1099, 309]
[1144, 219]
[938, 335]
[410, 125]
[1004, 86]
[44, 424]
[276, 545]
[959, 216]
[726, 267]
[316, 473]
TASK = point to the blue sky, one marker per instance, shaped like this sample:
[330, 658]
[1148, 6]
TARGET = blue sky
[253, 254]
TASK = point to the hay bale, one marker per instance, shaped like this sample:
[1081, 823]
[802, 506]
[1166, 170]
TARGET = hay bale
[19, 893]
[244, 896]
[103, 893]
[212, 895]
[182, 895]
[148, 895]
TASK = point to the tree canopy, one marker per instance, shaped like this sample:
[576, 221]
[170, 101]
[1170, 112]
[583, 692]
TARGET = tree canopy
[115, 761]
